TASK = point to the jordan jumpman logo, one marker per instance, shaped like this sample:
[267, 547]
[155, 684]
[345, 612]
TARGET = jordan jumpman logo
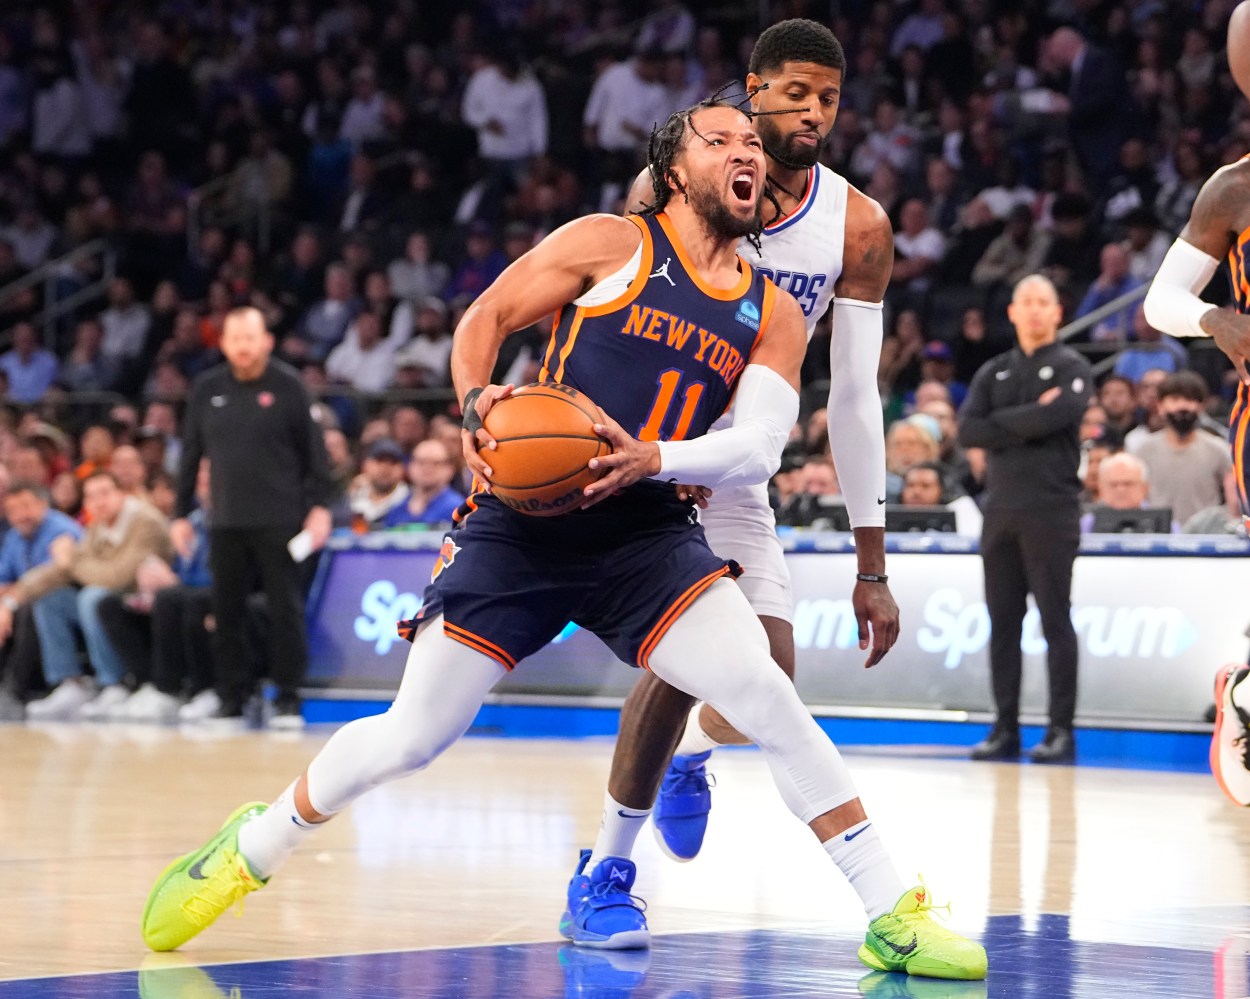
[663, 272]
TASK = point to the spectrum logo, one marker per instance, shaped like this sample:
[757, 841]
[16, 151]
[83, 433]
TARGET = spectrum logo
[954, 627]
[383, 606]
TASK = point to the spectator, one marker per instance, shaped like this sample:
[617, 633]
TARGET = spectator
[66, 594]
[506, 106]
[819, 477]
[300, 276]
[128, 471]
[380, 487]
[407, 427]
[482, 264]
[1096, 98]
[432, 499]
[1147, 415]
[86, 369]
[1134, 187]
[28, 464]
[159, 630]
[891, 142]
[1020, 250]
[162, 491]
[1176, 198]
[125, 323]
[95, 450]
[33, 526]
[1073, 252]
[364, 360]
[1224, 519]
[325, 324]
[1145, 245]
[925, 485]
[415, 275]
[1114, 281]
[364, 205]
[162, 417]
[908, 442]
[1123, 484]
[30, 236]
[922, 28]
[29, 368]
[1186, 464]
[918, 247]
[364, 115]
[625, 102]
[1116, 396]
[1151, 351]
[937, 367]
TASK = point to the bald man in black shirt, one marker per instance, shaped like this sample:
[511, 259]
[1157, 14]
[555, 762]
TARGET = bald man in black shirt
[1024, 408]
[251, 417]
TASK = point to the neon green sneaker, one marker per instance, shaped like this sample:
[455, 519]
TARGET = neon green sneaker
[194, 890]
[907, 939]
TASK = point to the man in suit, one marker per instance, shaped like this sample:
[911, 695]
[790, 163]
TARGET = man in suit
[1096, 96]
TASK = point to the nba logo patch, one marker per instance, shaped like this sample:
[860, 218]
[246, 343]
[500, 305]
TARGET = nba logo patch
[446, 555]
[265, 399]
[749, 315]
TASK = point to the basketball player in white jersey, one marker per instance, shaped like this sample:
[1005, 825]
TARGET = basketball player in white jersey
[826, 241]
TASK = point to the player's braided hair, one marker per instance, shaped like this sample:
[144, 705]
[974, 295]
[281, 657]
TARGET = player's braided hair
[796, 40]
[666, 142]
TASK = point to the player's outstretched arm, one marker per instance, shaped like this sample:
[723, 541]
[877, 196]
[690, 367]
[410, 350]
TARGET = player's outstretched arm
[1172, 304]
[555, 272]
[856, 424]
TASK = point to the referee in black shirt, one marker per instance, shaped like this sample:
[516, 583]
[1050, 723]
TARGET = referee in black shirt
[251, 417]
[1024, 408]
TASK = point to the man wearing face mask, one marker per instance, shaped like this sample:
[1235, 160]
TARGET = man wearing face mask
[1186, 464]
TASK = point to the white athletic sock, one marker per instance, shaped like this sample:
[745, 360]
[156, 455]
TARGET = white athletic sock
[861, 856]
[617, 831]
[267, 840]
[694, 740]
[1241, 695]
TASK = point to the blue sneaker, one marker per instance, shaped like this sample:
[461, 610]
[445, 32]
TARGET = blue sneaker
[602, 913]
[681, 809]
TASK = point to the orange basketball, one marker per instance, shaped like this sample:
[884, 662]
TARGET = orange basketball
[545, 436]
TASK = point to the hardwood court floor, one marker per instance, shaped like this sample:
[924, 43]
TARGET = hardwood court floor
[1102, 872]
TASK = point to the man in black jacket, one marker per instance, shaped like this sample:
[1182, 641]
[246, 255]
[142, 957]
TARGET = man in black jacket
[1024, 408]
[270, 478]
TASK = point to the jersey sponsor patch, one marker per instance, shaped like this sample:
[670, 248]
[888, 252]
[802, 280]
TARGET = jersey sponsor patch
[749, 314]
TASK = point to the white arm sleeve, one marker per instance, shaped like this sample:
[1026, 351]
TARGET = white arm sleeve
[1172, 304]
[746, 452]
[856, 424]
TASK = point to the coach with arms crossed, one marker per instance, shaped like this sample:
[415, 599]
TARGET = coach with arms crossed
[1024, 407]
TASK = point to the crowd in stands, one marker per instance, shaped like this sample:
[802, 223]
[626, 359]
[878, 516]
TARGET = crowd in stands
[362, 173]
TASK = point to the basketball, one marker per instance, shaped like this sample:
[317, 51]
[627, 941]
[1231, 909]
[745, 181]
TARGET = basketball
[1239, 46]
[545, 436]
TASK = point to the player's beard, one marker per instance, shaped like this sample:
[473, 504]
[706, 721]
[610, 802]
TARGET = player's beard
[781, 148]
[720, 222]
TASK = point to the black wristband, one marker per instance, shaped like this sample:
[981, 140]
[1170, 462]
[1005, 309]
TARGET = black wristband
[869, 577]
[470, 420]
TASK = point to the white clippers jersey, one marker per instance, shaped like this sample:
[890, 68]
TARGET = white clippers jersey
[802, 253]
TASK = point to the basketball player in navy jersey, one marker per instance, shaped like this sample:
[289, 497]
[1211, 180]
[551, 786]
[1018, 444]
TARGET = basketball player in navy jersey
[632, 566]
[1219, 228]
[824, 241]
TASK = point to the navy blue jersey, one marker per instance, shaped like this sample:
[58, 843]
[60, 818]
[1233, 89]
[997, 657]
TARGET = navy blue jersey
[644, 359]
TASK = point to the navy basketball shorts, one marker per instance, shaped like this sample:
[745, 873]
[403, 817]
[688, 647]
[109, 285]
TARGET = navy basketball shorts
[507, 584]
[1239, 440]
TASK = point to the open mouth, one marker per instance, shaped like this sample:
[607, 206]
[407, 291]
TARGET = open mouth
[743, 187]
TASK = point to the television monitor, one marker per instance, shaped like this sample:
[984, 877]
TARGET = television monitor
[919, 519]
[1150, 520]
[820, 513]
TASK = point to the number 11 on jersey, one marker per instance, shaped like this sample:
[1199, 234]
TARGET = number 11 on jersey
[668, 383]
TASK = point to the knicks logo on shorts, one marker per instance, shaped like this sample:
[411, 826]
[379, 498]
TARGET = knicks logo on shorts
[446, 555]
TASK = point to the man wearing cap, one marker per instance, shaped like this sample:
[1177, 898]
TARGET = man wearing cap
[937, 364]
[380, 487]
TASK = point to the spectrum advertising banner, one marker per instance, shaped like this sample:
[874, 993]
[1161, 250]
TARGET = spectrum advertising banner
[1152, 632]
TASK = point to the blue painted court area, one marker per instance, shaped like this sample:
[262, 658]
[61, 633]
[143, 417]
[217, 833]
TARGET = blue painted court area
[1184, 752]
[1037, 962]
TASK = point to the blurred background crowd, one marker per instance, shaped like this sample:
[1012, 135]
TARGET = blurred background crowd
[360, 173]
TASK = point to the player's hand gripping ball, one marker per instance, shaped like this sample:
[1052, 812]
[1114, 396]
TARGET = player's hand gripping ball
[545, 439]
